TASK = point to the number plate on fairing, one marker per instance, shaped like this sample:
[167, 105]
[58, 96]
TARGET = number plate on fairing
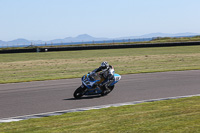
[117, 77]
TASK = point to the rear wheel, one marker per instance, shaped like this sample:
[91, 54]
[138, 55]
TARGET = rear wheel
[79, 92]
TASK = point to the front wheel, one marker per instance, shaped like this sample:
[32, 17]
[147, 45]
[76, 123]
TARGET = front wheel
[79, 92]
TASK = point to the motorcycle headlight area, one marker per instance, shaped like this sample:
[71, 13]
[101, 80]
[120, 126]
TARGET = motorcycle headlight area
[87, 83]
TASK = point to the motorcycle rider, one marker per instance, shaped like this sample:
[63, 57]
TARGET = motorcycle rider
[107, 72]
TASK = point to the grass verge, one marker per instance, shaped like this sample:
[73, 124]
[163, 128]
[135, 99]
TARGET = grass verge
[179, 115]
[23, 67]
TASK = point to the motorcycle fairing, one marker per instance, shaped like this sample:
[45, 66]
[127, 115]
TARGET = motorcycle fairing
[86, 81]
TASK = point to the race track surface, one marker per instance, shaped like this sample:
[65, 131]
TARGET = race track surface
[18, 99]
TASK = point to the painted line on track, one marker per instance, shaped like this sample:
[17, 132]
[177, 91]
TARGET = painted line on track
[19, 118]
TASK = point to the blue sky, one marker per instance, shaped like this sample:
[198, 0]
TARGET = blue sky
[52, 19]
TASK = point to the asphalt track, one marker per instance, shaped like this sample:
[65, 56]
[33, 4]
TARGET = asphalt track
[18, 99]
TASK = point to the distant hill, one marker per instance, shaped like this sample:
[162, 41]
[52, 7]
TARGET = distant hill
[19, 41]
[79, 38]
[87, 38]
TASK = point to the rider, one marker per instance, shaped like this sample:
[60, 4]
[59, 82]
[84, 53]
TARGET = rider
[107, 73]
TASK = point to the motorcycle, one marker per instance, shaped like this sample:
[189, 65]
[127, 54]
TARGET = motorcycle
[90, 85]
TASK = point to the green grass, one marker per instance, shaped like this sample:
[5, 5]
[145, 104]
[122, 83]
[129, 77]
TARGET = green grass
[23, 67]
[173, 116]
[174, 39]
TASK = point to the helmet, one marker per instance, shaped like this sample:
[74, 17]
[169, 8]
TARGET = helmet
[104, 65]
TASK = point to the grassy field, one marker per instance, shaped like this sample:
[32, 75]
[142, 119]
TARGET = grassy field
[171, 116]
[174, 39]
[23, 67]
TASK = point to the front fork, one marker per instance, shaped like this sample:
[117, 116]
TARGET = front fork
[84, 88]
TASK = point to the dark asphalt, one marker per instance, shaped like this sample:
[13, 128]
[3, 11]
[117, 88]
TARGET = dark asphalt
[18, 99]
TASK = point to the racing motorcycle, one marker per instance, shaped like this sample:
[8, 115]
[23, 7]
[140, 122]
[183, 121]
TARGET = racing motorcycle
[90, 85]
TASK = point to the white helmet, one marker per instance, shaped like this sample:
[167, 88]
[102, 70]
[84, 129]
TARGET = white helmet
[104, 65]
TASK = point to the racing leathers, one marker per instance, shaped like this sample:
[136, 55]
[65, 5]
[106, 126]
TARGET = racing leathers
[107, 74]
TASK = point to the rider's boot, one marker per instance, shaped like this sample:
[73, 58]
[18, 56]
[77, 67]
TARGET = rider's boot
[105, 90]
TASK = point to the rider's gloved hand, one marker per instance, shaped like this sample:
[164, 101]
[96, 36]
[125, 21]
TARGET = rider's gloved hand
[91, 73]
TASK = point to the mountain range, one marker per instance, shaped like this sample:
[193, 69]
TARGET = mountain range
[87, 38]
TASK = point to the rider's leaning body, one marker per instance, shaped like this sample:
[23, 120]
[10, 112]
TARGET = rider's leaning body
[106, 71]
